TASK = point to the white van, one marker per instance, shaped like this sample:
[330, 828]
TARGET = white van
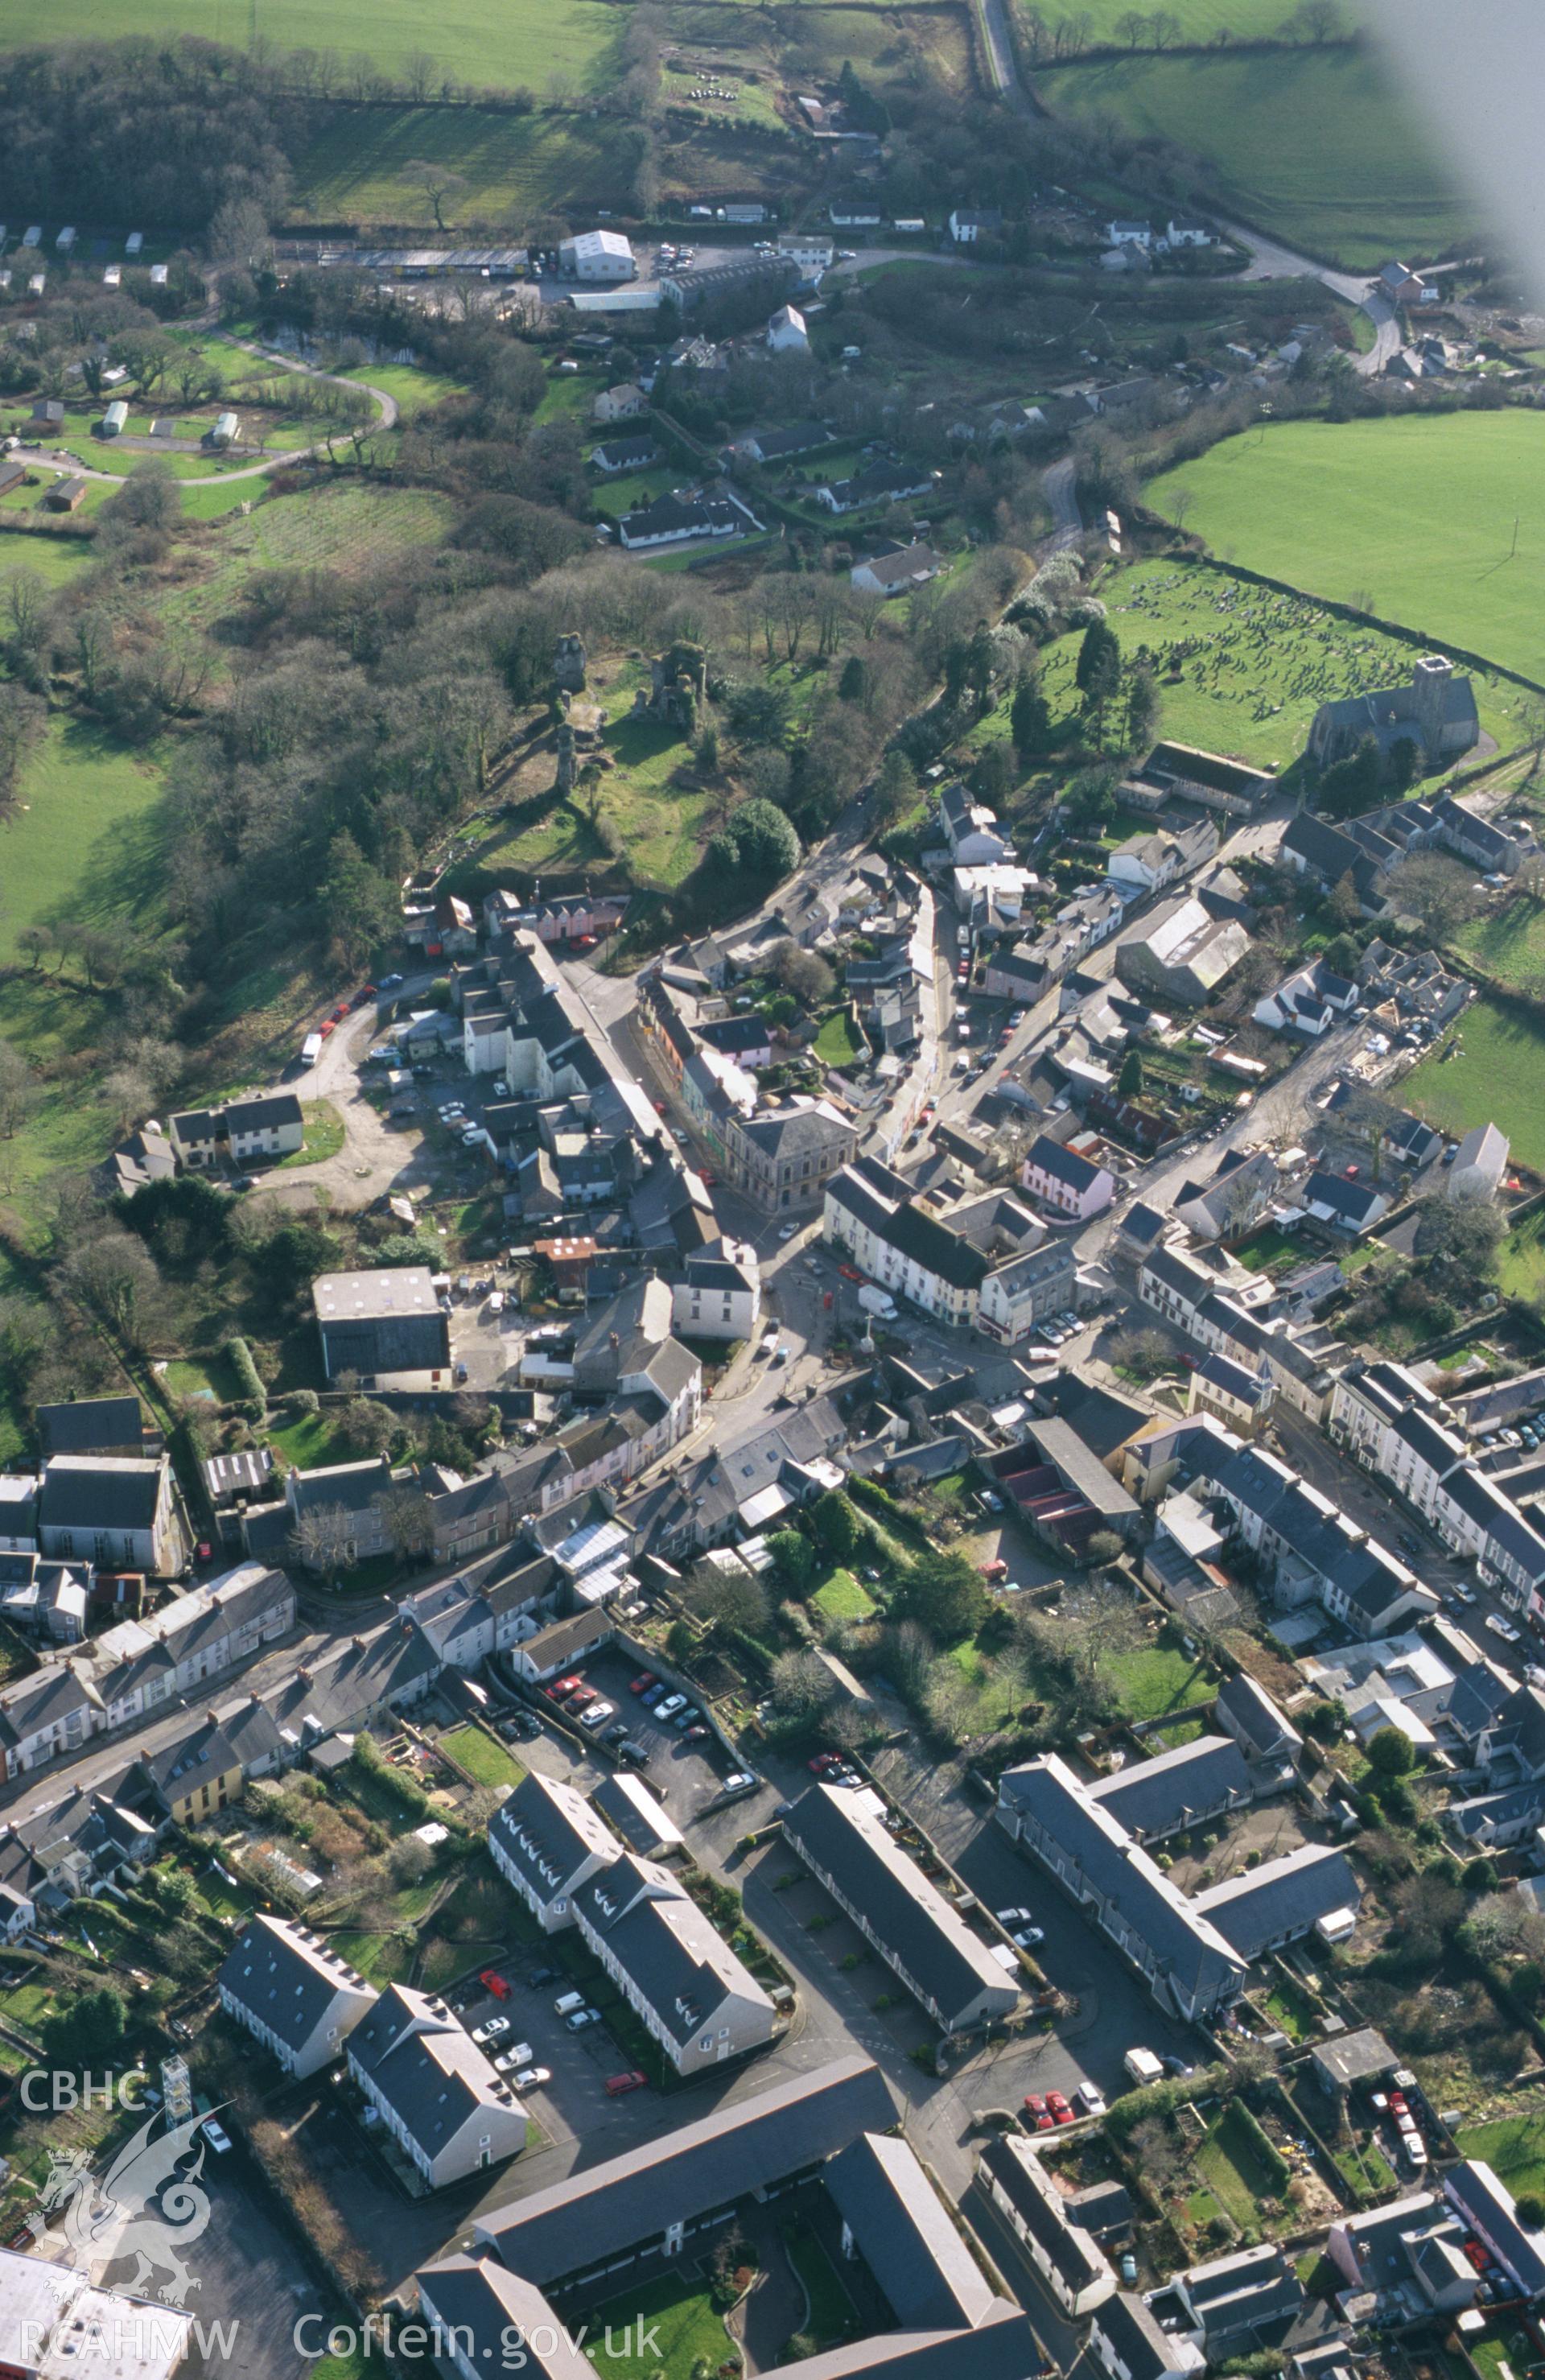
[566, 2005]
[311, 1049]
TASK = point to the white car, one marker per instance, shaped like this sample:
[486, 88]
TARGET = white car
[1013, 1916]
[471, 1139]
[787, 1231]
[740, 1782]
[507, 2060]
[671, 1704]
[531, 2078]
[494, 2030]
[1025, 1937]
[1090, 2098]
[581, 2018]
[217, 2136]
[598, 1714]
[1502, 1628]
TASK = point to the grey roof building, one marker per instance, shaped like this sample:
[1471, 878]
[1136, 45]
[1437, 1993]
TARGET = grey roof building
[894, 2218]
[1246, 1712]
[1130, 2344]
[693, 1993]
[91, 1426]
[387, 1320]
[434, 2090]
[546, 1840]
[299, 1998]
[1001, 2348]
[1254, 2291]
[1066, 2256]
[916, 1931]
[480, 2308]
[663, 2192]
[1153, 1798]
[1278, 1902]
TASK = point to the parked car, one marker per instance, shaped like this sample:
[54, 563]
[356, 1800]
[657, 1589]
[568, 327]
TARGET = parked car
[1061, 2112]
[1037, 2113]
[996, 1569]
[671, 1704]
[496, 2027]
[1027, 1937]
[531, 2078]
[217, 2136]
[615, 1733]
[1013, 1916]
[581, 2018]
[508, 2060]
[598, 1714]
[1090, 2098]
[741, 1782]
[642, 1683]
[618, 2085]
[581, 1696]
[1503, 1628]
[561, 1688]
[492, 1981]
[566, 2003]
[637, 1753]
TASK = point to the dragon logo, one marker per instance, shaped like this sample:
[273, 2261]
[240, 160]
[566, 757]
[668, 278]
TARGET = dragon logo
[147, 2206]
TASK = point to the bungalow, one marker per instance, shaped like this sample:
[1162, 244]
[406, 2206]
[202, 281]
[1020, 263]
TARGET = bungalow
[1073, 1186]
[1350, 1206]
[967, 225]
[1479, 1163]
[673, 520]
[897, 571]
[633, 453]
[299, 1998]
[883, 483]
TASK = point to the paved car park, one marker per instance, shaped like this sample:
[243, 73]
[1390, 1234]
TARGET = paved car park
[687, 1776]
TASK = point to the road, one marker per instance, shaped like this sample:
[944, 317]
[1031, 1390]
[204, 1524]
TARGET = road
[1059, 483]
[63, 459]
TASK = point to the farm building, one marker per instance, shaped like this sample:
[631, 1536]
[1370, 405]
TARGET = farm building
[113, 419]
[597, 256]
[224, 431]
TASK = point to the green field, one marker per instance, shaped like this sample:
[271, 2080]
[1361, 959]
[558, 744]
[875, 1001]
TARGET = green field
[1510, 942]
[481, 1757]
[54, 558]
[474, 41]
[842, 1596]
[1327, 505]
[1200, 21]
[1498, 1077]
[354, 169]
[1513, 2147]
[1154, 1679]
[674, 2322]
[349, 527]
[1308, 145]
[1234, 2170]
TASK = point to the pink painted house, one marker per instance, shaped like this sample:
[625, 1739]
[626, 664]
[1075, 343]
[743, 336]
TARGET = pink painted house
[1069, 1184]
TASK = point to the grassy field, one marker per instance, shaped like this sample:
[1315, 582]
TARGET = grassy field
[348, 526]
[1510, 944]
[354, 169]
[1306, 144]
[1154, 1679]
[1324, 505]
[1200, 21]
[842, 1596]
[482, 1758]
[323, 1129]
[679, 2320]
[1254, 666]
[1231, 2166]
[474, 40]
[1498, 1078]
[1513, 2147]
[56, 559]
[838, 1042]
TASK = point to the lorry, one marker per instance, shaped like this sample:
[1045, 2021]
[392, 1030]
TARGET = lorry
[877, 1301]
[311, 1049]
[1144, 2067]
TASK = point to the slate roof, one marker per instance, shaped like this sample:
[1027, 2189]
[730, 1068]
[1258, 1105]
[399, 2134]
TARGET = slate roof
[951, 1965]
[1290, 1893]
[1064, 1164]
[1139, 2344]
[100, 1492]
[286, 1978]
[906, 2235]
[1489, 2203]
[1243, 2291]
[485, 2307]
[1262, 1726]
[86, 1424]
[1044, 2212]
[548, 1829]
[1181, 1940]
[426, 2068]
[666, 1945]
[1002, 2347]
[595, 2215]
[1154, 1797]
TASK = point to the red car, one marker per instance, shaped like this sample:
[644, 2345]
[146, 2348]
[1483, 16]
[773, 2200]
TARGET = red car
[822, 1762]
[641, 1684]
[340, 1012]
[367, 991]
[709, 1181]
[561, 1686]
[850, 1272]
[324, 1030]
[1061, 2112]
[998, 1569]
[618, 2085]
[492, 1981]
[1397, 2103]
[1036, 2110]
[581, 1696]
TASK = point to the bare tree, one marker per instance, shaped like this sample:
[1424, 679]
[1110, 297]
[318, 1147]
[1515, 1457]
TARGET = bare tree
[1435, 890]
[437, 182]
[324, 1540]
[408, 1519]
